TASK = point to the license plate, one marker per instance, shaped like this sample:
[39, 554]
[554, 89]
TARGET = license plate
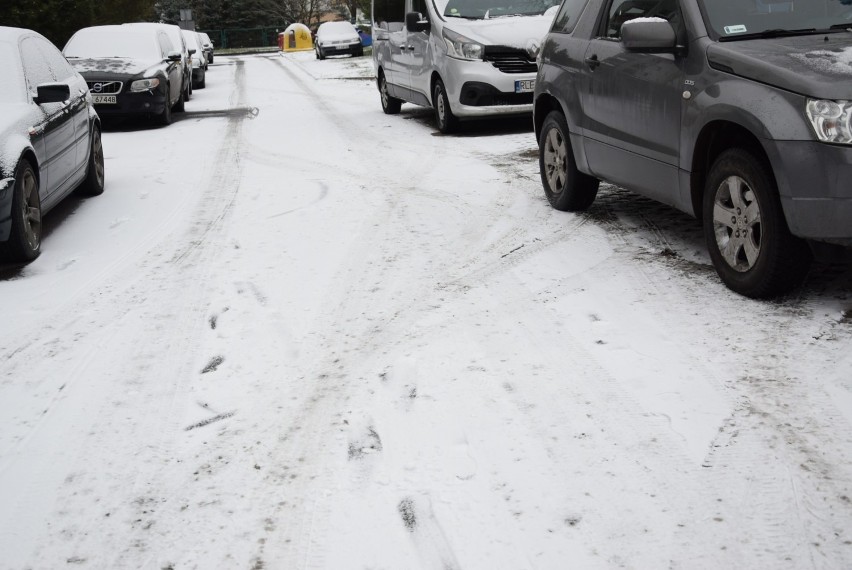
[524, 86]
[104, 99]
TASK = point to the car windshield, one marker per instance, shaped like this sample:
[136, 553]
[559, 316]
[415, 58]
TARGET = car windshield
[731, 19]
[487, 9]
[12, 89]
[91, 43]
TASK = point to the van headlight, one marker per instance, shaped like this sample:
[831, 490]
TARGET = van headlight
[461, 47]
[832, 120]
[144, 85]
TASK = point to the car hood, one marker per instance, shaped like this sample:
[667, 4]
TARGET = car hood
[114, 68]
[818, 66]
[514, 31]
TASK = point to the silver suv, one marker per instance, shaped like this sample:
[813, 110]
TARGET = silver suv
[736, 111]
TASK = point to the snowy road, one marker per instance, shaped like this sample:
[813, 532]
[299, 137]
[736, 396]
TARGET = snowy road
[327, 338]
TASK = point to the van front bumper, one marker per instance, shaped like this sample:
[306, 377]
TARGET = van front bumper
[479, 89]
[816, 193]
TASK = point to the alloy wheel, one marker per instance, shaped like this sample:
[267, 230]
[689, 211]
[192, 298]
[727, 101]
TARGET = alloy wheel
[737, 224]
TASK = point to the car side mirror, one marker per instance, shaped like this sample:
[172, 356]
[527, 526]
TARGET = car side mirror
[173, 56]
[649, 36]
[414, 22]
[52, 93]
[191, 51]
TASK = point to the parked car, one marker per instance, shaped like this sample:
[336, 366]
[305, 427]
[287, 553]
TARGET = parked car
[207, 44]
[130, 71]
[197, 57]
[176, 37]
[463, 58]
[735, 112]
[337, 38]
[50, 139]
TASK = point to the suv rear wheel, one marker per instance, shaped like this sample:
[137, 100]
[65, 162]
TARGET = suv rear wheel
[567, 189]
[751, 247]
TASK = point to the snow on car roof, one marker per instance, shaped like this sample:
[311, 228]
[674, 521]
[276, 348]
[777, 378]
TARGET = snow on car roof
[112, 41]
[13, 90]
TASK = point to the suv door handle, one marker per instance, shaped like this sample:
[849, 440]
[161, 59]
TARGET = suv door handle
[592, 62]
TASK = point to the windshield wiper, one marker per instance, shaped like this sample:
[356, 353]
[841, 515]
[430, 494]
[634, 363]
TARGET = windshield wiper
[847, 27]
[775, 33]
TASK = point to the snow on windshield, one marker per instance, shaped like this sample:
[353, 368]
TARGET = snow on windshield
[835, 62]
[111, 41]
[12, 90]
[485, 9]
[191, 41]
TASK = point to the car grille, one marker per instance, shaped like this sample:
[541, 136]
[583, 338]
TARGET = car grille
[105, 87]
[509, 60]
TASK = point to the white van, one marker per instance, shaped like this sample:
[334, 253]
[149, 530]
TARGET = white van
[464, 58]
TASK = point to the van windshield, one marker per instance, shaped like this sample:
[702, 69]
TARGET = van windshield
[486, 9]
[747, 19]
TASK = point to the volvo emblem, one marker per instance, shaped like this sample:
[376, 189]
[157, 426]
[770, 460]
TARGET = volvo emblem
[97, 87]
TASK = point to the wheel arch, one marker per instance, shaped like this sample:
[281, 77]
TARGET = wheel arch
[542, 107]
[716, 137]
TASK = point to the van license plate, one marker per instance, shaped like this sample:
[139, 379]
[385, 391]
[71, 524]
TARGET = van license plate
[103, 99]
[524, 86]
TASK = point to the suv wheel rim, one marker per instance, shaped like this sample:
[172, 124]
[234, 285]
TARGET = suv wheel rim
[439, 95]
[737, 224]
[32, 211]
[555, 166]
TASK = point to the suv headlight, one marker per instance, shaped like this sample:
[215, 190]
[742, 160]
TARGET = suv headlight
[461, 47]
[832, 120]
[144, 85]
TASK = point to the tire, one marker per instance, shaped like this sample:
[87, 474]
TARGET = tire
[180, 106]
[211, 59]
[390, 105]
[24, 243]
[567, 189]
[165, 118]
[203, 83]
[447, 122]
[749, 242]
[93, 185]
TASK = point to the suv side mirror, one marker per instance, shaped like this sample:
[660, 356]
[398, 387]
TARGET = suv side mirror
[173, 56]
[191, 52]
[52, 93]
[414, 22]
[650, 36]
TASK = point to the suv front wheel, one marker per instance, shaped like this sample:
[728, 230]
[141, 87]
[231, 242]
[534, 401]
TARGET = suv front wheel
[567, 189]
[749, 242]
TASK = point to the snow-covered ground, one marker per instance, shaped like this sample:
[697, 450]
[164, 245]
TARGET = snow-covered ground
[326, 338]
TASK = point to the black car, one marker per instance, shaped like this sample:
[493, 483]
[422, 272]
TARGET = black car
[130, 70]
[50, 139]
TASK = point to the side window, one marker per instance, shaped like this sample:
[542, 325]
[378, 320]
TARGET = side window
[419, 6]
[389, 14]
[621, 11]
[36, 69]
[568, 15]
[165, 44]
